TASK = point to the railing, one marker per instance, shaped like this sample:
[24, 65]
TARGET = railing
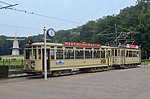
[145, 62]
[15, 66]
[12, 62]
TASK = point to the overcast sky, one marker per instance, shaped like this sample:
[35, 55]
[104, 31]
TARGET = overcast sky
[73, 12]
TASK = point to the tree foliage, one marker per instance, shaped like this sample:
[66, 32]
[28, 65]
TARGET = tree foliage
[135, 18]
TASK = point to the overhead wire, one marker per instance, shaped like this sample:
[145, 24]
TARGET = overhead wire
[20, 26]
[5, 3]
[50, 17]
[33, 13]
[25, 19]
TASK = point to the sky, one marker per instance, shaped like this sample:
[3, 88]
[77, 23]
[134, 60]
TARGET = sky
[56, 14]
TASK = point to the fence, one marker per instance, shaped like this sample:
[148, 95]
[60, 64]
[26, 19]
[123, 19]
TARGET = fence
[4, 71]
[14, 66]
[145, 62]
[12, 62]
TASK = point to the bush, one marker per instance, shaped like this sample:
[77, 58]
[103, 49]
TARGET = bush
[4, 70]
[0, 58]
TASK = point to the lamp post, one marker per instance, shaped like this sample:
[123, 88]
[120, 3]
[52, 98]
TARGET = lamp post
[50, 32]
[45, 62]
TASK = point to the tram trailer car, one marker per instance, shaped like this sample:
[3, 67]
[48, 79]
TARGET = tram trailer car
[72, 56]
[129, 56]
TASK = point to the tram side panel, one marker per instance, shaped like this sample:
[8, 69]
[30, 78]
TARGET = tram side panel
[81, 61]
[132, 57]
[124, 57]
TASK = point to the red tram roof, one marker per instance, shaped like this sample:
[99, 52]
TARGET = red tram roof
[132, 46]
[84, 44]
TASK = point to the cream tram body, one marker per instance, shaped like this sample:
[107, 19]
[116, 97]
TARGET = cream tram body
[62, 57]
[126, 57]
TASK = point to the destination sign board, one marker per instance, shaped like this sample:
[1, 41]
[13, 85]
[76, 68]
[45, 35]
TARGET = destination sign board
[84, 44]
[132, 46]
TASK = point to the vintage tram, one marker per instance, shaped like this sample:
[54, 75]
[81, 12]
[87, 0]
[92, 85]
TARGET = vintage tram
[73, 56]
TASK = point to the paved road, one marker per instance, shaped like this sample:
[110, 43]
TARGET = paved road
[116, 84]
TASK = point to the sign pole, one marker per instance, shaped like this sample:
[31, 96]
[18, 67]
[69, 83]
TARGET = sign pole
[50, 32]
[45, 60]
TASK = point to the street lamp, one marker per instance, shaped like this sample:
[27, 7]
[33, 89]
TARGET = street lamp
[50, 32]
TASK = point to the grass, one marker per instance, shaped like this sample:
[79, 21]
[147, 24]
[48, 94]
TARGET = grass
[145, 61]
[20, 62]
[11, 62]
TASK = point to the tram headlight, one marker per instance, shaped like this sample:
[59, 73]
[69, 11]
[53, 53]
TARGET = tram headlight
[32, 64]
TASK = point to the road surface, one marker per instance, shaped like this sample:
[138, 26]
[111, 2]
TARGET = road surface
[115, 84]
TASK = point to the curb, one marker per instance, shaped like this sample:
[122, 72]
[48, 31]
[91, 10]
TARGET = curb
[17, 75]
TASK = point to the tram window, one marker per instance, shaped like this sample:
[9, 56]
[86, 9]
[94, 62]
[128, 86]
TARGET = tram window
[127, 53]
[118, 52]
[52, 54]
[79, 47]
[103, 54]
[69, 48]
[79, 54]
[34, 54]
[59, 54]
[88, 48]
[39, 53]
[130, 53]
[69, 54]
[96, 54]
[59, 47]
[115, 52]
[135, 54]
[112, 52]
[28, 54]
[88, 54]
[108, 53]
[122, 53]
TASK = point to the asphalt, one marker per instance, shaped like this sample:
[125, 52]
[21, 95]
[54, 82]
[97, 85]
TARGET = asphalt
[131, 83]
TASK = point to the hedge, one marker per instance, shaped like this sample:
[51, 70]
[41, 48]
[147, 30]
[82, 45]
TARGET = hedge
[4, 70]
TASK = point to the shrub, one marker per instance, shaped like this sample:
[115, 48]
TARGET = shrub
[4, 70]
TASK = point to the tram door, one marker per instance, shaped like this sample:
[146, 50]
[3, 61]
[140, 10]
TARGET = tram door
[47, 58]
[122, 56]
[109, 57]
